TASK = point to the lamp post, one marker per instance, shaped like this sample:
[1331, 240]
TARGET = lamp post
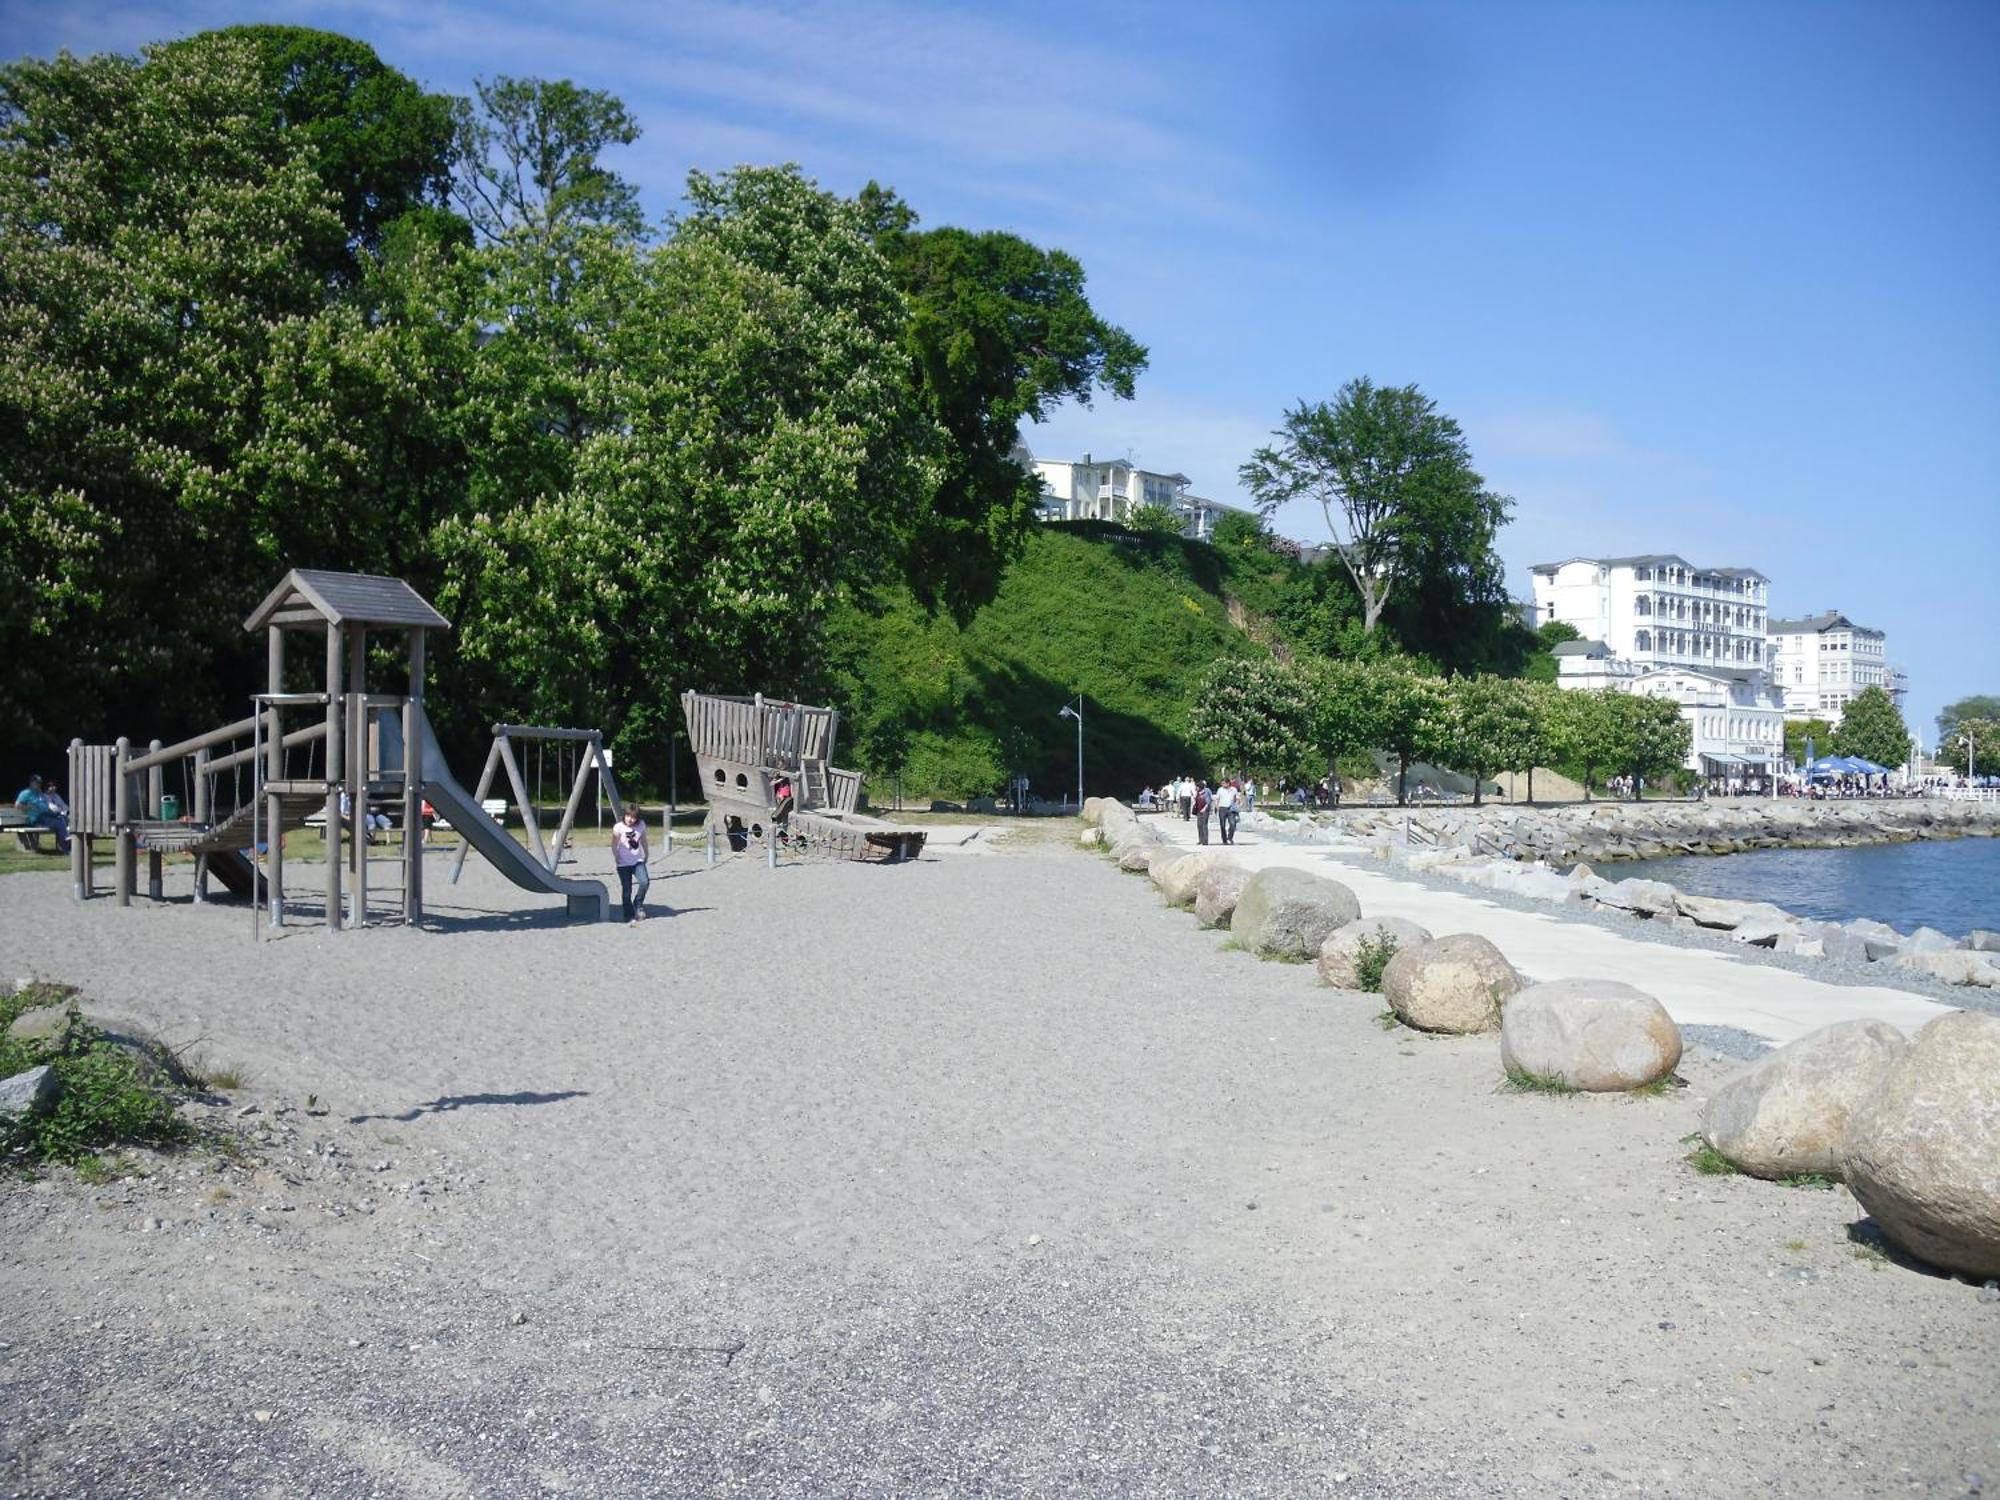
[1075, 711]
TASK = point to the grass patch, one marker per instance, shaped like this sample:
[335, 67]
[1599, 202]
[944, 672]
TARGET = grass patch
[1370, 959]
[1873, 1255]
[1286, 958]
[1706, 1160]
[1388, 1020]
[107, 1099]
[1795, 1245]
[230, 1076]
[1230, 945]
[1815, 1182]
[1523, 1081]
[1659, 1086]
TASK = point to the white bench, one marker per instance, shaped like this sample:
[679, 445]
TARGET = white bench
[494, 808]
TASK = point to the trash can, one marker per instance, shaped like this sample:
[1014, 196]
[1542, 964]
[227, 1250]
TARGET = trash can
[170, 809]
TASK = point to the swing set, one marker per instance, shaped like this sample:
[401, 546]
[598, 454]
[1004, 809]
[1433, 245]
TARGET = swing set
[583, 748]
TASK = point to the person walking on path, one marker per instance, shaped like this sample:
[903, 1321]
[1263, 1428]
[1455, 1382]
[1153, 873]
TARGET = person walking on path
[628, 851]
[41, 814]
[1249, 794]
[1225, 810]
[1200, 807]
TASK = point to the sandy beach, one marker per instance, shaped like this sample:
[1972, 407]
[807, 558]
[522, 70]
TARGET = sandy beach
[982, 1175]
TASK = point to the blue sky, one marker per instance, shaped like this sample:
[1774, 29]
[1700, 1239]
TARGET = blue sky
[1712, 279]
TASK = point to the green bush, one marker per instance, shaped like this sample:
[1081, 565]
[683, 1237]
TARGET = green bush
[1370, 959]
[106, 1100]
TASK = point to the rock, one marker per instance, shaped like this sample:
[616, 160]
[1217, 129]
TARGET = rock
[1178, 878]
[1780, 931]
[1647, 898]
[1953, 966]
[1287, 913]
[1090, 838]
[1137, 859]
[1454, 984]
[1834, 941]
[1979, 940]
[1215, 894]
[1784, 1116]
[1597, 1035]
[1581, 871]
[31, 1093]
[1339, 953]
[45, 1023]
[1713, 911]
[1093, 810]
[1929, 940]
[1922, 1152]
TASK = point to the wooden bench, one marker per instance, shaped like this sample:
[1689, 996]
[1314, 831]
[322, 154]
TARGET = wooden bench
[28, 835]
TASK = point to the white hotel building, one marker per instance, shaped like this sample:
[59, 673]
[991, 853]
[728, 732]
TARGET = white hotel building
[1660, 610]
[1659, 626]
[1820, 663]
[1110, 489]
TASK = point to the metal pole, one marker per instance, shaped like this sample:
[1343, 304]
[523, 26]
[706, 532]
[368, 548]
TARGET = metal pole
[414, 771]
[155, 781]
[1079, 752]
[258, 865]
[79, 844]
[121, 803]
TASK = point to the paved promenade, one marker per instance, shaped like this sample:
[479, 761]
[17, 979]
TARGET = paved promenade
[1698, 987]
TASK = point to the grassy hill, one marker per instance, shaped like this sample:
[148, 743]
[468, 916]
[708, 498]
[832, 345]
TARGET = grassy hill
[1130, 622]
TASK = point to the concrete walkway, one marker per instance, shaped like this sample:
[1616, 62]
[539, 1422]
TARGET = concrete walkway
[1698, 987]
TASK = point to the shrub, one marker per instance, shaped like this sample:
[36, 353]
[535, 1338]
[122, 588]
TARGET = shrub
[106, 1099]
[1370, 959]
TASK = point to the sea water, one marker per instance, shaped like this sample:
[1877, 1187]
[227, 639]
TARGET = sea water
[1950, 884]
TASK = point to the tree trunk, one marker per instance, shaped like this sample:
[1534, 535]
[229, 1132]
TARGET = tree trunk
[1402, 781]
[1478, 787]
[1531, 786]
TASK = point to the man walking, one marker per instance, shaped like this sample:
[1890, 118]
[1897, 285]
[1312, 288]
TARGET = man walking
[1184, 794]
[1225, 811]
[1200, 807]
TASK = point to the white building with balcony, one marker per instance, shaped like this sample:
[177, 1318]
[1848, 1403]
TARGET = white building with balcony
[1660, 610]
[1820, 663]
[1736, 724]
[1110, 489]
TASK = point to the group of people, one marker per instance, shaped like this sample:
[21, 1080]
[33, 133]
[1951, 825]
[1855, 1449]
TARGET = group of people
[1194, 800]
[43, 803]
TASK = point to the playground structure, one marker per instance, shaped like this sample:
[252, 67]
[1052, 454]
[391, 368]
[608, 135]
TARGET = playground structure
[506, 755]
[375, 752]
[745, 747]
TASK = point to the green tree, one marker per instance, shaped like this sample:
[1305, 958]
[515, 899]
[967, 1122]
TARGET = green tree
[529, 167]
[1585, 733]
[1406, 705]
[1153, 520]
[1397, 474]
[1536, 745]
[751, 447]
[1978, 706]
[1256, 715]
[1651, 738]
[184, 412]
[1872, 728]
[1347, 717]
[381, 144]
[1480, 725]
[1798, 732]
[1000, 333]
[1979, 737]
[1240, 531]
[1541, 663]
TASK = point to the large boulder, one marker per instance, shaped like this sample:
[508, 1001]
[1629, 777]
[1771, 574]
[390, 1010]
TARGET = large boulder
[1216, 893]
[1136, 856]
[1597, 1035]
[1981, 940]
[1286, 913]
[1646, 898]
[1455, 984]
[1784, 1116]
[1177, 878]
[1090, 838]
[31, 1093]
[1340, 953]
[1922, 1152]
[1953, 966]
[1714, 911]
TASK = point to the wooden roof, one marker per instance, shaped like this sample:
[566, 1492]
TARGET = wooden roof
[306, 594]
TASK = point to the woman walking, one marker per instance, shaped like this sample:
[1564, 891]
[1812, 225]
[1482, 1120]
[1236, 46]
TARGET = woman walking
[628, 850]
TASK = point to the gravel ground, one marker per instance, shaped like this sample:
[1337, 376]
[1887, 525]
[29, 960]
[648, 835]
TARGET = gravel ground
[1830, 970]
[979, 1175]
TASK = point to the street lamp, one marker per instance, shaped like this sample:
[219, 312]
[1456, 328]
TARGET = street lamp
[1075, 711]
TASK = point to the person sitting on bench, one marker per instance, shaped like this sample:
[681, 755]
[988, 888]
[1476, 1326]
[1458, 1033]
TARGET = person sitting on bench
[35, 803]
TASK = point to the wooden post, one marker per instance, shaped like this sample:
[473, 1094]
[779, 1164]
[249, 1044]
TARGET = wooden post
[357, 772]
[274, 770]
[413, 785]
[122, 874]
[79, 847]
[521, 797]
[335, 760]
[200, 814]
[479, 796]
[154, 780]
